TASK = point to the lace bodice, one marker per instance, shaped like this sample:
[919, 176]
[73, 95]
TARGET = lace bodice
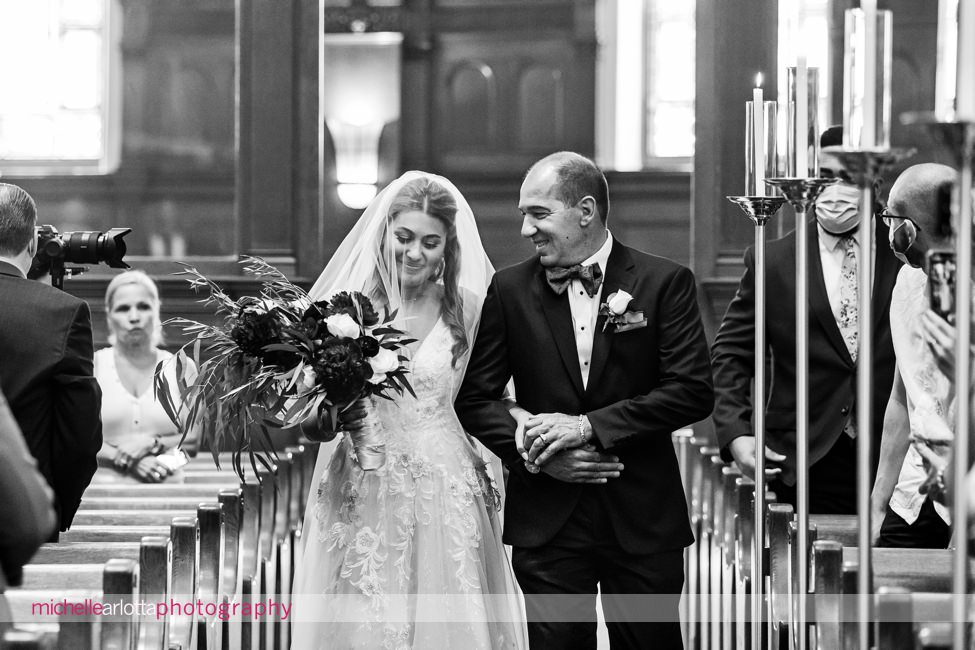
[428, 422]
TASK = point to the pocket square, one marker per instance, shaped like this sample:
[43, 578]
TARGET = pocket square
[631, 320]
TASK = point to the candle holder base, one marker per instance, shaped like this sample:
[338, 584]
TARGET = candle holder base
[866, 166]
[955, 136]
[758, 208]
[801, 193]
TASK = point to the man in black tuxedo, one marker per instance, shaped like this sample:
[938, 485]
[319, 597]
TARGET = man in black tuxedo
[606, 348]
[46, 353]
[832, 365]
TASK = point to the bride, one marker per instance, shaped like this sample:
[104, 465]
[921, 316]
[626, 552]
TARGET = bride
[410, 555]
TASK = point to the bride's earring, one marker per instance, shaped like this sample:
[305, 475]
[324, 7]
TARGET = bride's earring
[439, 272]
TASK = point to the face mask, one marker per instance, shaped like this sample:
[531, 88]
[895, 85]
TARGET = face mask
[901, 242]
[838, 208]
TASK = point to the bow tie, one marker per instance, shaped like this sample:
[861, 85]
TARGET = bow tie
[559, 277]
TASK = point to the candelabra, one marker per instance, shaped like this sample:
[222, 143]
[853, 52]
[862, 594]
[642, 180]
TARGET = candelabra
[865, 167]
[802, 193]
[759, 209]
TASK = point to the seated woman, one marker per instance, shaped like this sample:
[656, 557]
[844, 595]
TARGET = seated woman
[140, 441]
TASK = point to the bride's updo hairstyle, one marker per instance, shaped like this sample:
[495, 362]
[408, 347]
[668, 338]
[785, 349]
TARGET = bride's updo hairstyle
[429, 197]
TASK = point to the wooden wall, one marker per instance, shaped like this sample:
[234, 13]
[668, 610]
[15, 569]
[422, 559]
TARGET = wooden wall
[221, 142]
[222, 151]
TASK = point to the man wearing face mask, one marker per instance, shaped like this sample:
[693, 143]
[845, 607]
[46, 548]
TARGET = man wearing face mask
[919, 418]
[832, 295]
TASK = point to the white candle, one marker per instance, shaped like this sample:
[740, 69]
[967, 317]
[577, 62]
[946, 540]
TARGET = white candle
[758, 135]
[869, 138]
[965, 71]
[802, 118]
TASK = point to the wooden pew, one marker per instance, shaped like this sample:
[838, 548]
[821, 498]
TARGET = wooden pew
[35, 609]
[269, 517]
[216, 572]
[912, 601]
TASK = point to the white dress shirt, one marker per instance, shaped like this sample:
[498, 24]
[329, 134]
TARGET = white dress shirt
[585, 309]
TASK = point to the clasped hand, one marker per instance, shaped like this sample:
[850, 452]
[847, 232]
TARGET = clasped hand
[551, 442]
[137, 456]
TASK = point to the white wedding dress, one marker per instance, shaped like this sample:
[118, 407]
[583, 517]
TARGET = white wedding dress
[409, 555]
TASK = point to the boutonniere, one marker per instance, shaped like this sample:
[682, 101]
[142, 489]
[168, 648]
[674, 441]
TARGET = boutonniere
[617, 314]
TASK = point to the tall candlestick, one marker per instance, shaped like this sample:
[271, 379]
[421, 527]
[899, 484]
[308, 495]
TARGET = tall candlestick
[758, 134]
[802, 117]
[965, 72]
[869, 8]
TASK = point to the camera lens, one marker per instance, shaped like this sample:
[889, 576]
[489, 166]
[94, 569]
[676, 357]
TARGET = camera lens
[92, 247]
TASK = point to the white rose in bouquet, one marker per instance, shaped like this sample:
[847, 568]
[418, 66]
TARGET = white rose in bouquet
[343, 325]
[384, 361]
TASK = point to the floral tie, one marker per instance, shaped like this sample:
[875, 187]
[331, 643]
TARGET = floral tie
[849, 293]
[848, 320]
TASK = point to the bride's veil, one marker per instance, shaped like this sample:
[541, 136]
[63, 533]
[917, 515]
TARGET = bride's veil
[365, 262]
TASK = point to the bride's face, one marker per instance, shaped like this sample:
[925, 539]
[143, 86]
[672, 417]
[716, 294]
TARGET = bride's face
[418, 244]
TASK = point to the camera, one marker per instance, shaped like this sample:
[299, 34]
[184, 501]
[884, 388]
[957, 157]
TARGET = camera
[54, 249]
[941, 283]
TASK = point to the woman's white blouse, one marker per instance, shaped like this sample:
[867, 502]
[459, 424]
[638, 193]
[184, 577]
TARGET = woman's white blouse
[125, 414]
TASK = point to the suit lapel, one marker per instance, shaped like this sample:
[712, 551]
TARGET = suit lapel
[619, 275]
[819, 299]
[559, 318]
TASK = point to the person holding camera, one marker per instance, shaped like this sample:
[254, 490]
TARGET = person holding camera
[46, 370]
[918, 423]
[141, 442]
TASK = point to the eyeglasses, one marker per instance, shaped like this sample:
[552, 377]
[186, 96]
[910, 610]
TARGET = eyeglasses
[889, 220]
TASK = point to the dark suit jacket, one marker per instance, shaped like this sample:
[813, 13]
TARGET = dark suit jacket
[27, 515]
[832, 372]
[46, 353]
[643, 385]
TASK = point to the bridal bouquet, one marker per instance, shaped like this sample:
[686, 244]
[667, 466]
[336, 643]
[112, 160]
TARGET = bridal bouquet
[277, 359]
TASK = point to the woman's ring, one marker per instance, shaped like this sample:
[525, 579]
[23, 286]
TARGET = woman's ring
[541, 437]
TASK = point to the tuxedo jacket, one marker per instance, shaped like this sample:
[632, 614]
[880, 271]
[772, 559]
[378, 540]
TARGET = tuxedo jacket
[643, 384]
[46, 372]
[832, 371]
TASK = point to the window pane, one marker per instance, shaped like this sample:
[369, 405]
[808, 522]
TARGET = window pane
[82, 12]
[670, 82]
[59, 109]
[78, 135]
[672, 128]
[79, 69]
[26, 136]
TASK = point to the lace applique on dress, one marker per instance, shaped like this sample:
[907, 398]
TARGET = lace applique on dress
[424, 524]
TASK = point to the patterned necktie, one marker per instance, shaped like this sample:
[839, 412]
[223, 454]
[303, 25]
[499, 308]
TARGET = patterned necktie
[559, 277]
[848, 320]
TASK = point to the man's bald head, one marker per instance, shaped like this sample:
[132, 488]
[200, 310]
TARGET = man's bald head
[922, 193]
